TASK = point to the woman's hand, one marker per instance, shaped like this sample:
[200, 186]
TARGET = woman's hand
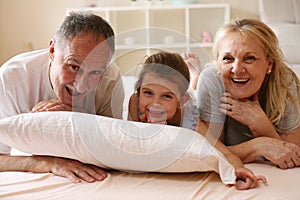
[249, 113]
[246, 179]
[242, 110]
[282, 154]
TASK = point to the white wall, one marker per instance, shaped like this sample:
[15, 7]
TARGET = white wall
[30, 24]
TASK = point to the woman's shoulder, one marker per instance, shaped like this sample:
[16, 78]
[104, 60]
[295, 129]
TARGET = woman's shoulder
[210, 67]
[210, 75]
[210, 70]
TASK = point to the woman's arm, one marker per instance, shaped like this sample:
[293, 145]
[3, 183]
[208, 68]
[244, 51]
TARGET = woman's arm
[245, 177]
[292, 136]
[281, 151]
[283, 154]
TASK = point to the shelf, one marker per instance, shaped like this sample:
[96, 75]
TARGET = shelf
[142, 30]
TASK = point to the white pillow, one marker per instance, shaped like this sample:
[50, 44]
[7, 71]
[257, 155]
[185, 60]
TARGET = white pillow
[114, 143]
[128, 85]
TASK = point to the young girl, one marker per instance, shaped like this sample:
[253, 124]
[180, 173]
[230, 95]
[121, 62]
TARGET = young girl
[161, 97]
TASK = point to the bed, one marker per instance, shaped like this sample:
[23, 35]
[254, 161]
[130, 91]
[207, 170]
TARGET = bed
[179, 180]
[186, 178]
[282, 184]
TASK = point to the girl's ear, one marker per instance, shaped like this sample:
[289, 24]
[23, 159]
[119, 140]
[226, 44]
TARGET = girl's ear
[184, 99]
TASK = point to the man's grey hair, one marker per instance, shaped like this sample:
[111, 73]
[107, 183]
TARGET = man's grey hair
[78, 23]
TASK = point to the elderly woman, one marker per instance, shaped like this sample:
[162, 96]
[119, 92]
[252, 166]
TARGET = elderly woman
[250, 98]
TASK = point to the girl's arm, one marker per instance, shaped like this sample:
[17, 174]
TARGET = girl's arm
[133, 109]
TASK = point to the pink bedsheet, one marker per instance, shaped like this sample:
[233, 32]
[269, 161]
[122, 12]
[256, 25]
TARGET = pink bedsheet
[282, 184]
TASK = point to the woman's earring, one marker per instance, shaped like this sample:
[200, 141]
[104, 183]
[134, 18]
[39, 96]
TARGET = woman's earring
[269, 71]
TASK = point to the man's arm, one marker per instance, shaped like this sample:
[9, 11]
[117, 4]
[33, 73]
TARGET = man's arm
[110, 94]
[74, 170]
[51, 105]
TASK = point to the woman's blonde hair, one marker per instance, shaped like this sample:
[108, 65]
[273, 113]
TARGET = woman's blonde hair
[274, 92]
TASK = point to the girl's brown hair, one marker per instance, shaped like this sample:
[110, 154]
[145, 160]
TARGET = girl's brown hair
[166, 65]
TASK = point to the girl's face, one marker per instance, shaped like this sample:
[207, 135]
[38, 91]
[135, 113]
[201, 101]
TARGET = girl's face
[159, 98]
[243, 65]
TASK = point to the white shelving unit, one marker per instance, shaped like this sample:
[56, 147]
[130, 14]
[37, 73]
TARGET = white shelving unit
[142, 30]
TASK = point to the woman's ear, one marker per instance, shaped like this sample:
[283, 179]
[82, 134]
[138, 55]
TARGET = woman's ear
[270, 66]
[51, 49]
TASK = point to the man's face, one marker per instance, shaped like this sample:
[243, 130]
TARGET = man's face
[77, 66]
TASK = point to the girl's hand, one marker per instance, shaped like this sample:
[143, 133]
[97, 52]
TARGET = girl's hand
[146, 119]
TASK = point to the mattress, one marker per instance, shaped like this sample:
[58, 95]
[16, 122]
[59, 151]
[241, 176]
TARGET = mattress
[282, 184]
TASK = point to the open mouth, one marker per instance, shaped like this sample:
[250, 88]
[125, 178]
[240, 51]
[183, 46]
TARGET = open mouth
[72, 90]
[157, 115]
[240, 80]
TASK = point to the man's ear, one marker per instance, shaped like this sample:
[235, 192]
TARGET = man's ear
[51, 49]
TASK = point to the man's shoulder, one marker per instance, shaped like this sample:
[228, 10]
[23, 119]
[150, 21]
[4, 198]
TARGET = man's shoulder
[27, 56]
[112, 72]
[27, 59]
[19, 68]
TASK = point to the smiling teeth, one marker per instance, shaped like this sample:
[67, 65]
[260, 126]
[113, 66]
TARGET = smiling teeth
[157, 112]
[240, 80]
[71, 87]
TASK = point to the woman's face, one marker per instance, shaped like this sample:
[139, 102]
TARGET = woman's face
[243, 65]
[158, 98]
